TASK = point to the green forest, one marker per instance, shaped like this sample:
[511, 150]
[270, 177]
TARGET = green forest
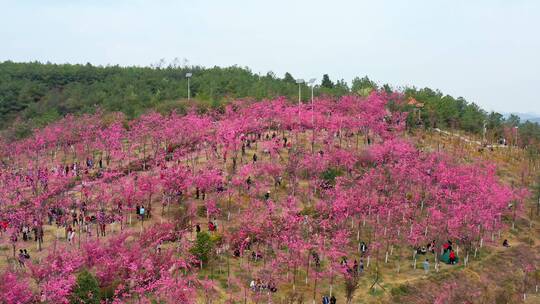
[35, 94]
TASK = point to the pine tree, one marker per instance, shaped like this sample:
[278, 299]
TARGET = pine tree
[326, 82]
[288, 78]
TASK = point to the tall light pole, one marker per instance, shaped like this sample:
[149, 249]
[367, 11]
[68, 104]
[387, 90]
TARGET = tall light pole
[516, 128]
[312, 84]
[484, 133]
[188, 76]
[299, 82]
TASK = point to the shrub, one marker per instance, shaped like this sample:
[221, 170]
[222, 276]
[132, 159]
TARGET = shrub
[86, 290]
[203, 246]
[330, 174]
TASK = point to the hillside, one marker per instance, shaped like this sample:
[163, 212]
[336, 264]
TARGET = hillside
[268, 201]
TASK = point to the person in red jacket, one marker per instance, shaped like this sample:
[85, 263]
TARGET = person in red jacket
[452, 257]
[3, 225]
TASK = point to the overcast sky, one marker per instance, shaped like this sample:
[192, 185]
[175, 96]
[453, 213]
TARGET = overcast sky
[487, 51]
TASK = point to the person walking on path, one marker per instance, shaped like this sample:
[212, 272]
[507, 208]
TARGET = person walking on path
[325, 300]
[426, 266]
[332, 300]
[21, 258]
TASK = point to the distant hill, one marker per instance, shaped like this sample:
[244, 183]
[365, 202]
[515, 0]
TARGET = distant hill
[532, 117]
[34, 94]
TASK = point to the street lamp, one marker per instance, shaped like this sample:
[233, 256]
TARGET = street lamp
[300, 82]
[188, 76]
[517, 135]
[311, 83]
[484, 130]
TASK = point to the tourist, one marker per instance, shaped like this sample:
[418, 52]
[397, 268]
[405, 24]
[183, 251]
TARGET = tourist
[426, 266]
[325, 300]
[141, 212]
[332, 300]
[25, 231]
[248, 182]
[431, 246]
[71, 234]
[452, 257]
[21, 258]
[363, 248]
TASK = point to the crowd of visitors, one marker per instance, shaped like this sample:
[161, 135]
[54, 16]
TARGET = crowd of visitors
[257, 285]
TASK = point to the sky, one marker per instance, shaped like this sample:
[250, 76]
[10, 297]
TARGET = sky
[487, 51]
